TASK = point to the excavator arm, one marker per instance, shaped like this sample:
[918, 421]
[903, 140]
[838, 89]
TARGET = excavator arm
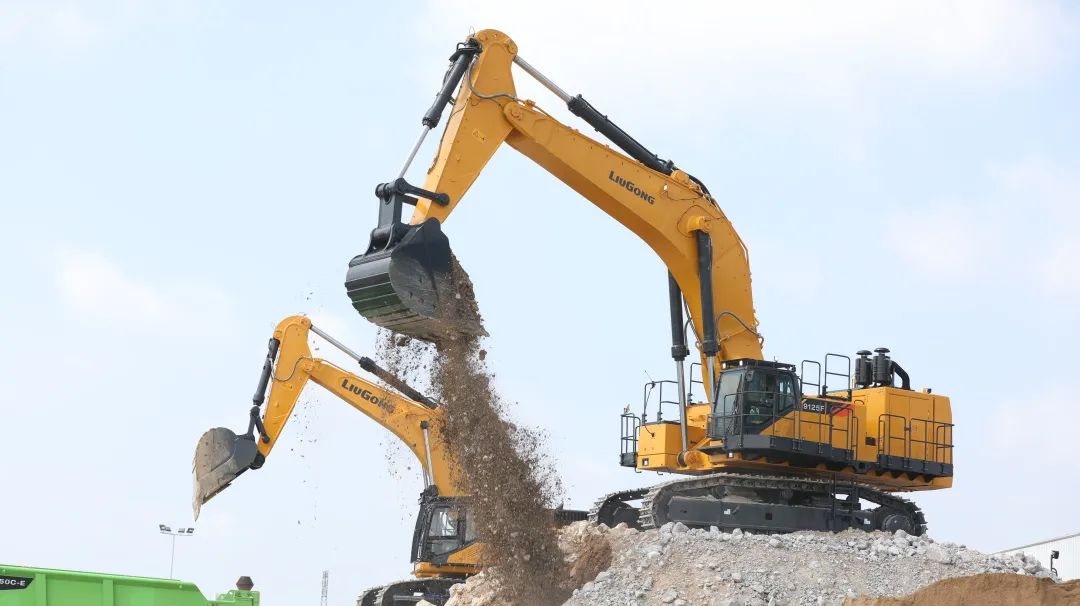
[221, 455]
[402, 280]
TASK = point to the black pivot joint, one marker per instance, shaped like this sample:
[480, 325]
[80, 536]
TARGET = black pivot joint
[392, 196]
[255, 422]
[400, 190]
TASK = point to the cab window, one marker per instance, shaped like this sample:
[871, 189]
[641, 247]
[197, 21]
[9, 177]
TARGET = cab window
[788, 390]
[443, 531]
[729, 390]
[444, 522]
[759, 398]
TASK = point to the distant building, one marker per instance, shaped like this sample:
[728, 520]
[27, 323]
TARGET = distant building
[1068, 559]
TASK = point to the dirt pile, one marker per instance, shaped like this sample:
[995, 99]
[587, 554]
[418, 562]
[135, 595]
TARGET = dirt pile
[586, 552]
[1000, 589]
[680, 566]
[677, 566]
[501, 465]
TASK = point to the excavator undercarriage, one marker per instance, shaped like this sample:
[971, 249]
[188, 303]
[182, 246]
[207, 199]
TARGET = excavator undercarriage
[761, 503]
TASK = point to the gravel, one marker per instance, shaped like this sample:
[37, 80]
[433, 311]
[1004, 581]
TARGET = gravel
[679, 566]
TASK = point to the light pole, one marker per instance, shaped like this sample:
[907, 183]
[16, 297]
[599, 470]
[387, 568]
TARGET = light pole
[179, 532]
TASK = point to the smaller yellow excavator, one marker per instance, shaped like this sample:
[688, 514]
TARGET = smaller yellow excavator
[444, 549]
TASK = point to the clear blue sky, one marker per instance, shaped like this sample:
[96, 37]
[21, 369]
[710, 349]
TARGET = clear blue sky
[177, 176]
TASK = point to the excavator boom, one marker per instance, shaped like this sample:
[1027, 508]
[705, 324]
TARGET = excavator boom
[221, 455]
[407, 281]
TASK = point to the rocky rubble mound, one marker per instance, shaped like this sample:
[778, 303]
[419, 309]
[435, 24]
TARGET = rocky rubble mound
[1000, 589]
[678, 566]
[587, 551]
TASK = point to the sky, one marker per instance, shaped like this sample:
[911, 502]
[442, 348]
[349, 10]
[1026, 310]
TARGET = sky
[177, 176]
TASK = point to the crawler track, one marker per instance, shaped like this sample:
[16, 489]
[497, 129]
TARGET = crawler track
[435, 590]
[612, 508]
[763, 503]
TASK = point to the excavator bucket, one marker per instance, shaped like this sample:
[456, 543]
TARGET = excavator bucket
[414, 286]
[220, 456]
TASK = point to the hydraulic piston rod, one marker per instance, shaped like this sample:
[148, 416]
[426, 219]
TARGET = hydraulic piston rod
[427, 455]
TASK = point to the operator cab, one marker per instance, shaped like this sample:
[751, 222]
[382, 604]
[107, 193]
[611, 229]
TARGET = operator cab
[752, 395]
[442, 528]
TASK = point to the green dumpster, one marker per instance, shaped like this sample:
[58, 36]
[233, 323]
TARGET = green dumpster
[25, 586]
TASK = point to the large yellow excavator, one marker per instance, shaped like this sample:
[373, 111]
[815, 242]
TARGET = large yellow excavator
[444, 550]
[769, 447]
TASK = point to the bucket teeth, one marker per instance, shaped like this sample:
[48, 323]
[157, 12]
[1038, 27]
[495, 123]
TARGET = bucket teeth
[220, 457]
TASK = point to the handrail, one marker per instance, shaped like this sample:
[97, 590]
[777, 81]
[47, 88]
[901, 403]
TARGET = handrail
[802, 376]
[628, 441]
[938, 450]
[846, 374]
[647, 390]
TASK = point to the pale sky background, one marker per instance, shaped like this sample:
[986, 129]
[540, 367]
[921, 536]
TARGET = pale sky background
[177, 176]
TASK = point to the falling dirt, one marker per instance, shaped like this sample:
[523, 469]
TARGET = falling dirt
[504, 467]
[1000, 589]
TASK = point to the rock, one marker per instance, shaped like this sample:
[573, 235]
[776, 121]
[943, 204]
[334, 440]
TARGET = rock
[801, 568]
[939, 554]
[679, 528]
[679, 602]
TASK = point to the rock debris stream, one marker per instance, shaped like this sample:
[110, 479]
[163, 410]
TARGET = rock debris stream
[502, 466]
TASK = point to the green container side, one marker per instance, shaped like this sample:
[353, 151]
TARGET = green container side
[49, 587]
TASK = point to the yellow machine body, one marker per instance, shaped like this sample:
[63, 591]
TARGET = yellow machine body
[892, 435]
[795, 455]
[669, 212]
